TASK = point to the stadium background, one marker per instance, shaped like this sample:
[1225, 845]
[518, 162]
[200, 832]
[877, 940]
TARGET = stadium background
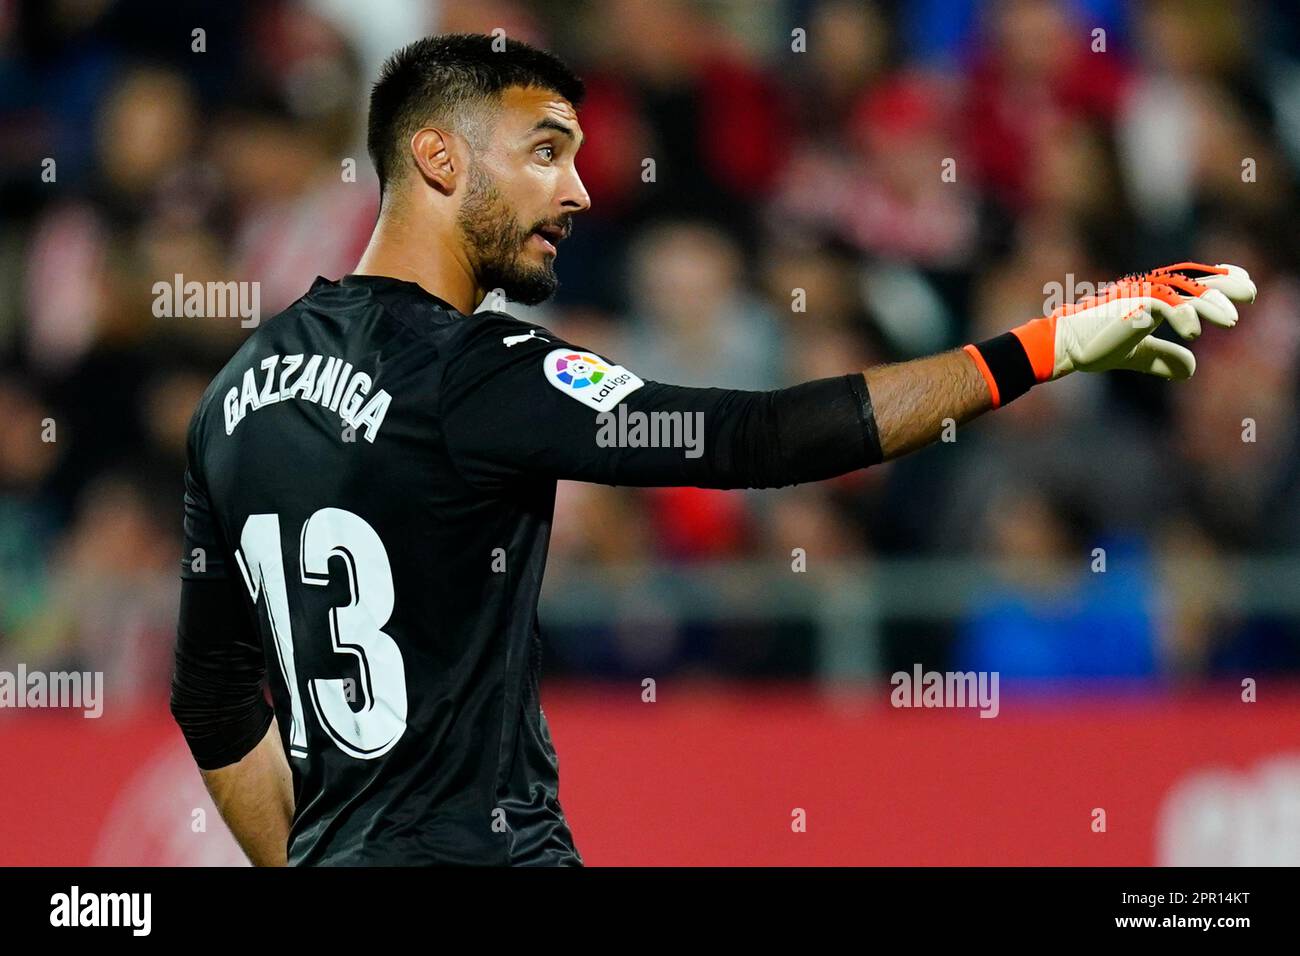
[774, 171]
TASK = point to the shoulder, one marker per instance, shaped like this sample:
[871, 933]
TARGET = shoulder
[495, 339]
[523, 358]
[480, 329]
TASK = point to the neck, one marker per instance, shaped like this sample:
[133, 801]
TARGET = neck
[429, 257]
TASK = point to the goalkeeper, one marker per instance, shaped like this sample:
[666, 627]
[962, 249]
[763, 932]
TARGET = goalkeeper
[371, 479]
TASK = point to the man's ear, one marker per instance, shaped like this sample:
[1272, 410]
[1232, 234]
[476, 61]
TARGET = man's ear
[439, 157]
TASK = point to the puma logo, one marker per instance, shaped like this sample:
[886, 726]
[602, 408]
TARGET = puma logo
[513, 340]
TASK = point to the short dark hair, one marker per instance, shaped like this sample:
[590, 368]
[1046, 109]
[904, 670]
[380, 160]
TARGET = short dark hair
[443, 79]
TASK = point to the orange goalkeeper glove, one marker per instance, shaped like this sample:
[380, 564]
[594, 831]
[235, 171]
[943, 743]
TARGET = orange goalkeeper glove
[1112, 329]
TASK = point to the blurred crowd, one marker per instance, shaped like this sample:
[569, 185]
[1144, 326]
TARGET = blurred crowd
[835, 183]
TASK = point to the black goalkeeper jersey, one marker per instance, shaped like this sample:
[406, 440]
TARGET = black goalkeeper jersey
[374, 475]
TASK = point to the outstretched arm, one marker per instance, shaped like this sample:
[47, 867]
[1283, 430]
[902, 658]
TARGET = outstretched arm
[526, 407]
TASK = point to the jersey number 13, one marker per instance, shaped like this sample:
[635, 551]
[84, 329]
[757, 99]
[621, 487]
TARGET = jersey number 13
[355, 628]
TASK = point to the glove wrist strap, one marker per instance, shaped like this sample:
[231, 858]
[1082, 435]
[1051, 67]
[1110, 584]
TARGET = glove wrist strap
[1006, 366]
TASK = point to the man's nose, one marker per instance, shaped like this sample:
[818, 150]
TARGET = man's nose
[575, 195]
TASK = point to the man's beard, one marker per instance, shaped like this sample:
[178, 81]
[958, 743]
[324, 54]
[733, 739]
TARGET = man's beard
[496, 245]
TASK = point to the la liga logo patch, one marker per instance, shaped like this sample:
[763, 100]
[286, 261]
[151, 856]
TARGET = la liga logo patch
[578, 370]
[588, 378]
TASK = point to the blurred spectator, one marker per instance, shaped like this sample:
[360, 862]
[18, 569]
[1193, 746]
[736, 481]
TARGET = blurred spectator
[693, 320]
[112, 597]
[29, 517]
[1092, 621]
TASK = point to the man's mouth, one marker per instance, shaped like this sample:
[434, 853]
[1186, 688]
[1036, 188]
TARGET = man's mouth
[549, 237]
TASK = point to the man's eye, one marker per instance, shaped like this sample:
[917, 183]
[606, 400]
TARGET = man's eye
[549, 152]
